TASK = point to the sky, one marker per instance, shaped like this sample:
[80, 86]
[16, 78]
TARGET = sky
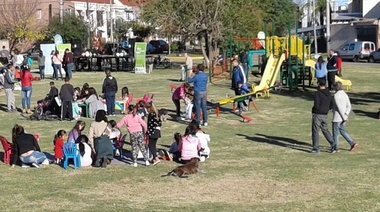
[339, 2]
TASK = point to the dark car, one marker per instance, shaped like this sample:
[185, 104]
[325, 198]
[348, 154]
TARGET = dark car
[34, 52]
[159, 47]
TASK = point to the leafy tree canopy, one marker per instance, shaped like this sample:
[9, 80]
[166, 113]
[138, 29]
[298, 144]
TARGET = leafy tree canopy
[72, 28]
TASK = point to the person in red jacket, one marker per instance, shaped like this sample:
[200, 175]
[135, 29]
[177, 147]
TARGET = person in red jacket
[338, 64]
[58, 146]
[26, 91]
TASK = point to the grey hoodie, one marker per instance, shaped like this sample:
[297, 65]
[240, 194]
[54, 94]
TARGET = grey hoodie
[9, 80]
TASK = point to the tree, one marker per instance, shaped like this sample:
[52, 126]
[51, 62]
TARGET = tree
[18, 22]
[72, 28]
[214, 21]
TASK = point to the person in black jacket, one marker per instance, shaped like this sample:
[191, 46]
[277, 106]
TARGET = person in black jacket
[50, 97]
[109, 90]
[67, 98]
[322, 104]
[331, 68]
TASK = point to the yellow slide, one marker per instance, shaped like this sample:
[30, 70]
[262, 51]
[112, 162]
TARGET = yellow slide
[311, 64]
[268, 80]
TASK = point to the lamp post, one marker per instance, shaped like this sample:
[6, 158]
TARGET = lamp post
[315, 29]
[111, 21]
[327, 25]
[88, 24]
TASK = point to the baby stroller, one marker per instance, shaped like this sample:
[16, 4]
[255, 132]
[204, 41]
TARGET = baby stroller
[45, 110]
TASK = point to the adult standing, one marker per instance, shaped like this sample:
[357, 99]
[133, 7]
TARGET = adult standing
[26, 90]
[109, 89]
[341, 111]
[331, 68]
[18, 59]
[9, 82]
[320, 69]
[154, 131]
[26, 148]
[41, 65]
[57, 65]
[67, 98]
[188, 68]
[322, 105]
[238, 75]
[178, 95]
[68, 63]
[200, 93]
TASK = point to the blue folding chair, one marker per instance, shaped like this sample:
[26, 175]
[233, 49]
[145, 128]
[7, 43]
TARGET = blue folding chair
[70, 151]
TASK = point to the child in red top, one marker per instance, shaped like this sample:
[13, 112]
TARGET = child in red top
[58, 146]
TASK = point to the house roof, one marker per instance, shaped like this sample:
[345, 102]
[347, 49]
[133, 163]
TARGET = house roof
[95, 1]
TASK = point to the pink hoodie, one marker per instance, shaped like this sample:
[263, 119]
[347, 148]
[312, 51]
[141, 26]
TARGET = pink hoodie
[179, 93]
[189, 147]
[133, 123]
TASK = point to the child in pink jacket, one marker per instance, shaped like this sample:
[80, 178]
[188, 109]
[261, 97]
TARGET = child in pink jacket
[136, 128]
[178, 94]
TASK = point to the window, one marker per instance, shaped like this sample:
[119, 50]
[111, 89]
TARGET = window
[352, 47]
[39, 14]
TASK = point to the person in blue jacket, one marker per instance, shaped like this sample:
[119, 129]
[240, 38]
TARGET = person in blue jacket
[320, 69]
[200, 80]
[242, 90]
[238, 75]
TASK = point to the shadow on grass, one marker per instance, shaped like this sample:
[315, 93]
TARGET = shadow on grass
[3, 107]
[279, 141]
[365, 98]
[373, 115]
[306, 94]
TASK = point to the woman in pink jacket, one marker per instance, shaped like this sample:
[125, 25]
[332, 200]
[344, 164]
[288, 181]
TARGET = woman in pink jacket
[136, 127]
[190, 145]
[178, 94]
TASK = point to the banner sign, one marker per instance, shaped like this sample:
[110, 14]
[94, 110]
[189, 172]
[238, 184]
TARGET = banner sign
[140, 58]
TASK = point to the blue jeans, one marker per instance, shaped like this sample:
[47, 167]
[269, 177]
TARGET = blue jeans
[35, 157]
[110, 101]
[69, 70]
[339, 127]
[200, 103]
[26, 94]
[42, 72]
[57, 68]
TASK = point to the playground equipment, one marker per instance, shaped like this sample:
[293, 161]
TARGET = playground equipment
[311, 65]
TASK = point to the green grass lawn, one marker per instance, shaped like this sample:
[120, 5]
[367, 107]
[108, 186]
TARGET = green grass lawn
[263, 165]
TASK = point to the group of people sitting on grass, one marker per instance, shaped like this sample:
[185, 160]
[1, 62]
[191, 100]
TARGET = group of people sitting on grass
[104, 139]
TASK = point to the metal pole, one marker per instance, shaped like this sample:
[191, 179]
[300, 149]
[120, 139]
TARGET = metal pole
[315, 30]
[88, 26]
[328, 25]
[61, 10]
[308, 13]
[111, 21]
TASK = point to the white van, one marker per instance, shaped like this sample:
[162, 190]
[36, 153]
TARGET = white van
[357, 50]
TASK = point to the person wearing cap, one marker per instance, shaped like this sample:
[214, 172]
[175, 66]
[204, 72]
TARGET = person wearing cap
[320, 68]
[322, 105]
[26, 89]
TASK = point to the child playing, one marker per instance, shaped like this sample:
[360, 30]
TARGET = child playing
[174, 153]
[76, 132]
[58, 146]
[204, 138]
[76, 93]
[136, 128]
[190, 145]
[189, 103]
[125, 98]
[141, 110]
[242, 90]
[114, 136]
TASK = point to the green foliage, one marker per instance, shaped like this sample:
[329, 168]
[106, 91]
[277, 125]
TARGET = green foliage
[139, 29]
[72, 28]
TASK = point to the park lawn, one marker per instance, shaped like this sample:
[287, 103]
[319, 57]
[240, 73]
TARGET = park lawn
[263, 165]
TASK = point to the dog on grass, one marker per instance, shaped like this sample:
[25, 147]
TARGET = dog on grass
[163, 114]
[182, 171]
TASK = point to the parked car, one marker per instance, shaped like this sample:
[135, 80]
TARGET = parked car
[357, 50]
[159, 47]
[374, 56]
[34, 52]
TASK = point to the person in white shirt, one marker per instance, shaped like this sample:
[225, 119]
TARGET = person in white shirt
[341, 111]
[85, 150]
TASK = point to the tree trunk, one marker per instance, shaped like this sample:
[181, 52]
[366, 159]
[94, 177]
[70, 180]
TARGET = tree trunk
[203, 48]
